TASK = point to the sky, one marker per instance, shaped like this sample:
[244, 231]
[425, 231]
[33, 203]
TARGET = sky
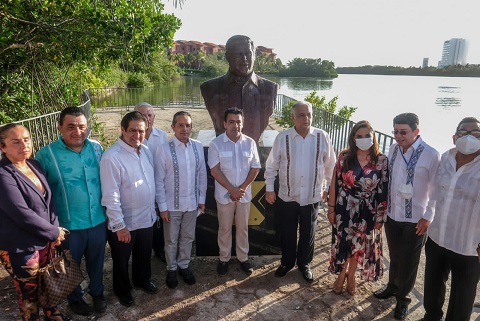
[347, 32]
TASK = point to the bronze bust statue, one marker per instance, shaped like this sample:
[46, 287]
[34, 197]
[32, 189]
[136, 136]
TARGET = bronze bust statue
[240, 87]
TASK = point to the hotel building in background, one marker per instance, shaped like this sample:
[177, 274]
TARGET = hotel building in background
[454, 53]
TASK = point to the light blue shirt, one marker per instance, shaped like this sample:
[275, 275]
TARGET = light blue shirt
[74, 179]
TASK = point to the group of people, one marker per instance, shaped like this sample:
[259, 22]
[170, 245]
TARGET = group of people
[422, 199]
[146, 191]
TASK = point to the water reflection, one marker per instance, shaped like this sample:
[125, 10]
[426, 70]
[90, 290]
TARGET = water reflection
[447, 102]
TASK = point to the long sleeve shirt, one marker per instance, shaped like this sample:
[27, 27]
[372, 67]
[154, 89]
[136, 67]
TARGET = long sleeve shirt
[128, 187]
[423, 161]
[156, 139]
[180, 176]
[304, 165]
[456, 226]
[74, 178]
[236, 159]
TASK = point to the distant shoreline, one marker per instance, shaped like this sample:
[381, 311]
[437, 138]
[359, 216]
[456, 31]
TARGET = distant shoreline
[451, 71]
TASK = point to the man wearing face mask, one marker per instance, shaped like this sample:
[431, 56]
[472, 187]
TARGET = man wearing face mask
[453, 244]
[412, 166]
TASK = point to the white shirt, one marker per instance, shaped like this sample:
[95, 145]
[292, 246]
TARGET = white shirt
[456, 226]
[298, 163]
[235, 159]
[182, 187]
[157, 137]
[128, 187]
[425, 170]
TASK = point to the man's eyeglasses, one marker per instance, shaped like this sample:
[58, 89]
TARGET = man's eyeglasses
[475, 133]
[402, 132]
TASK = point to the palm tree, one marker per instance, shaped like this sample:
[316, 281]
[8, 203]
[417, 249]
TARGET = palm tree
[177, 3]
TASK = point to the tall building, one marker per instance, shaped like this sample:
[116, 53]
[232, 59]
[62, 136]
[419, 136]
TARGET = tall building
[454, 52]
[425, 63]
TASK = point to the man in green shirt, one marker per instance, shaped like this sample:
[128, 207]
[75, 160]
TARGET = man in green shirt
[72, 168]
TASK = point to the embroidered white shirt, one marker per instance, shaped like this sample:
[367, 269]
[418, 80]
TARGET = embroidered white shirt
[456, 226]
[423, 206]
[183, 186]
[128, 187]
[304, 165]
[235, 159]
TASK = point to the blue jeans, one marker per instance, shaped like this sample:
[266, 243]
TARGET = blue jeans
[89, 243]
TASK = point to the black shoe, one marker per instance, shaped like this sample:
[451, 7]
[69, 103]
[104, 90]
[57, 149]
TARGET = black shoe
[401, 311]
[149, 287]
[99, 303]
[126, 300]
[80, 307]
[282, 271]
[171, 280]
[222, 268]
[161, 256]
[307, 274]
[246, 267]
[187, 275]
[386, 293]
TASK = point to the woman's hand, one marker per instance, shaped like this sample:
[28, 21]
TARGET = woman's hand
[61, 236]
[378, 225]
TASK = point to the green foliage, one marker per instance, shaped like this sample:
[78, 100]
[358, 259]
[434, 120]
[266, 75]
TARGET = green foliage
[41, 43]
[160, 69]
[319, 104]
[308, 67]
[264, 64]
[214, 66]
[138, 80]
[469, 70]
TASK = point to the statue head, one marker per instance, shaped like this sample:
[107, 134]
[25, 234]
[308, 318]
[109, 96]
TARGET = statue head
[240, 54]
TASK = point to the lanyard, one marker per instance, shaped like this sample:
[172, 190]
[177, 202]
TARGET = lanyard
[408, 163]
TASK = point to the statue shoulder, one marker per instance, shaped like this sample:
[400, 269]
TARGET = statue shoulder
[213, 82]
[269, 85]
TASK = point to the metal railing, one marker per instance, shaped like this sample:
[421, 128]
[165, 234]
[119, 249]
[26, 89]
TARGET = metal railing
[43, 129]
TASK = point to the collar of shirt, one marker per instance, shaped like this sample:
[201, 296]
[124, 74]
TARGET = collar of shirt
[253, 78]
[295, 133]
[130, 149]
[177, 142]
[226, 138]
[414, 146]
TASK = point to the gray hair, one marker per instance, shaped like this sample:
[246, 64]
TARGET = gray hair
[142, 104]
[301, 103]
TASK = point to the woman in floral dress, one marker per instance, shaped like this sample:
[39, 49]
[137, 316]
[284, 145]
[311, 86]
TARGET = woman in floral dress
[357, 208]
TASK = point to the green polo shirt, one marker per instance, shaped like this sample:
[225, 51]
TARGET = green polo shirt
[74, 179]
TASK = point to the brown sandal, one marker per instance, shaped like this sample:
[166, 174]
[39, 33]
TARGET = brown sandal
[338, 285]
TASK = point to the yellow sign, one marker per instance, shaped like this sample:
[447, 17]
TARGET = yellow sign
[257, 205]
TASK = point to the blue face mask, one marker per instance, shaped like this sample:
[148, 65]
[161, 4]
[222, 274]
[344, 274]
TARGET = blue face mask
[467, 144]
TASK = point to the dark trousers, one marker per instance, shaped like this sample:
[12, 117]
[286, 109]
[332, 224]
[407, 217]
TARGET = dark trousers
[465, 272]
[405, 248]
[290, 216]
[91, 244]
[140, 247]
[158, 243]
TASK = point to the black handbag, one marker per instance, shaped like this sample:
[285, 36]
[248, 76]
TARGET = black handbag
[58, 278]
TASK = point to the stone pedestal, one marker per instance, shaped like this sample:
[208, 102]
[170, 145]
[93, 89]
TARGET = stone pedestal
[262, 236]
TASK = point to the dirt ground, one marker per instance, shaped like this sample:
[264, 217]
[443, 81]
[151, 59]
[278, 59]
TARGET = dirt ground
[236, 296]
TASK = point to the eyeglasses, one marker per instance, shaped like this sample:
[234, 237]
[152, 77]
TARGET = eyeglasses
[402, 132]
[475, 133]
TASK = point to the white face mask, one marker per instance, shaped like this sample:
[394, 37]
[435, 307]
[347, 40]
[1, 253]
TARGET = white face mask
[364, 143]
[406, 191]
[467, 144]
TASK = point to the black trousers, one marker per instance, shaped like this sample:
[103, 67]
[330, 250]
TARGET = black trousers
[158, 243]
[405, 248]
[140, 247]
[465, 272]
[290, 216]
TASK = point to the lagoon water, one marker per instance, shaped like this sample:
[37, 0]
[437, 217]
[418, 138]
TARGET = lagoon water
[440, 102]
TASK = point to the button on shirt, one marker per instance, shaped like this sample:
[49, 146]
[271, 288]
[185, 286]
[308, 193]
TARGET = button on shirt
[236, 159]
[425, 170]
[303, 165]
[155, 140]
[176, 185]
[456, 226]
[74, 178]
[128, 187]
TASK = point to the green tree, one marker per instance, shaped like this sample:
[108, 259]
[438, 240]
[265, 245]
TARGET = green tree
[309, 67]
[319, 104]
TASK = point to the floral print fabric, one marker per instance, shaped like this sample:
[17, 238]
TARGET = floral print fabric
[361, 201]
